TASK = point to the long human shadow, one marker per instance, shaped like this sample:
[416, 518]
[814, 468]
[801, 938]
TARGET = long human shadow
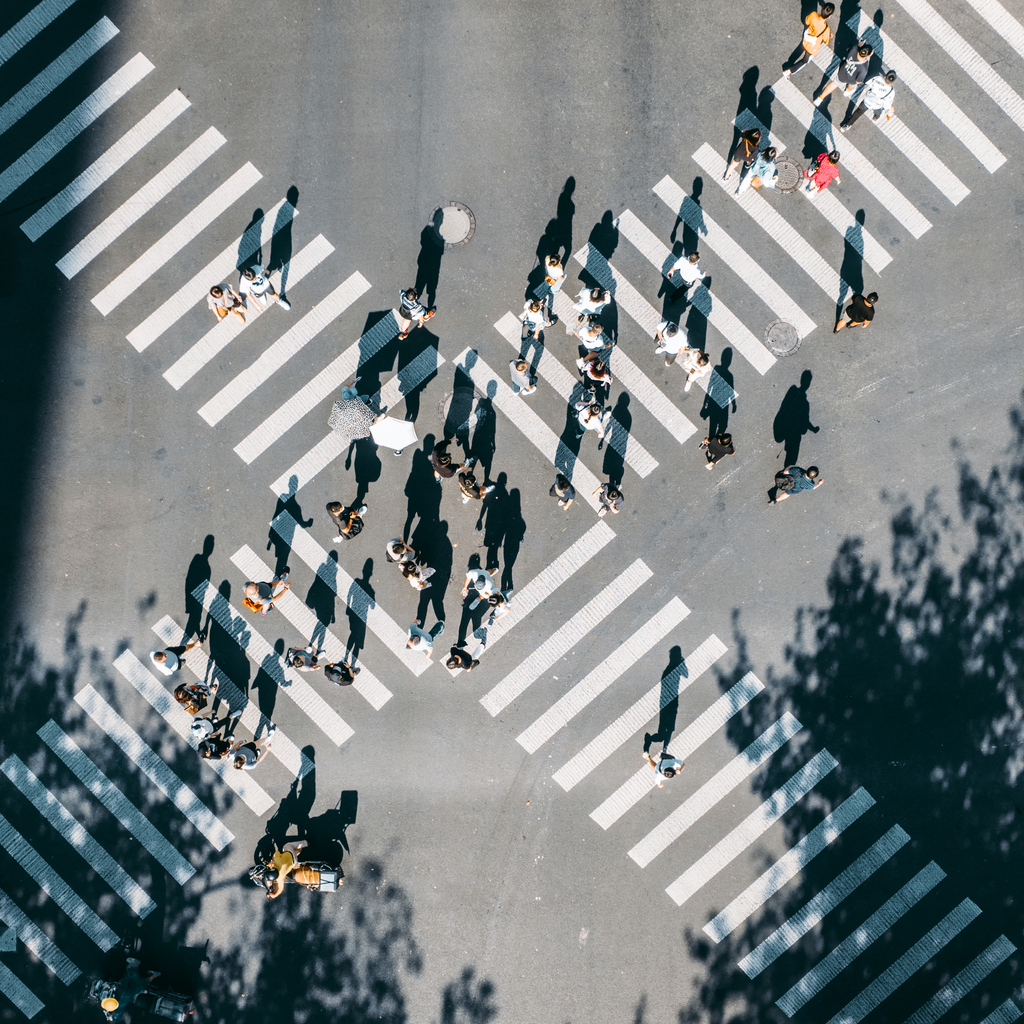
[252, 234]
[515, 532]
[851, 272]
[717, 415]
[280, 537]
[227, 644]
[410, 388]
[281, 243]
[422, 491]
[557, 237]
[360, 598]
[614, 464]
[604, 235]
[292, 814]
[374, 362]
[670, 676]
[793, 419]
[428, 262]
[199, 571]
[493, 513]
[363, 454]
[321, 598]
[430, 539]
[693, 227]
[484, 442]
[747, 101]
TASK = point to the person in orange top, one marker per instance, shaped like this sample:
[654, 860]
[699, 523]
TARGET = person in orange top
[816, 33]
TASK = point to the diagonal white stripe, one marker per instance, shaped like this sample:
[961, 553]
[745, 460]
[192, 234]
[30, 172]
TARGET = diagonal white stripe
[30, 26]
[1005, 1013]
[19, 993]
[36, 941]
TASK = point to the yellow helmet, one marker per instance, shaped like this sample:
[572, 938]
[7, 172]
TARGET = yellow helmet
[110, 1004]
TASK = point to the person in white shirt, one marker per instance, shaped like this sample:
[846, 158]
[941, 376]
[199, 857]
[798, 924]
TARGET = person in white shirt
[223, 299]
[763, 169]
[248, 755]
[688, 269]
[666, 767]
[591, 335]
[480, 581]
[170, 659]
[255, 281]
[592, 416]
[420, 640]
[554, 275]
[696, 364]
[879, 96]
[670, 339]
[523, 382]
[535, 318]
[591, 300]
[303, 659]
[396, 550]
[417, 576]
[411, 310]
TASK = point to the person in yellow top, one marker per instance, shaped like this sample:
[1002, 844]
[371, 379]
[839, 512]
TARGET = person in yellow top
[284, 862]
[816, 33]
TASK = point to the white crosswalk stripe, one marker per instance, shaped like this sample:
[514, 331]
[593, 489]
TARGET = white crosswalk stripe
[76, 835]
[74, 124]
[588, 618]
[649, 706]
[811, 118]
[751, 828]
[1006, 1013]
[907, 965]
[1008, 27]
[910, 75]
[860, 939]
[709, 306]
[48, 79]
[565, 384]
[741, 767]
[367, 685]
[967, 57]
[331, 447]
[811, 913]
[289, 344]
[244, 785]
[648, 319]
[106, 165]
[789, 865]
[250, 716]
[23, 854]
[290, 682]
[164, 250]
[533, 428]
[30, 26]
[754, 276]
[116, 802]
[349, 590]
[702, 728]
[19, 993]
[256, 236]
[307, 259]
[131, 210]
[154, 767]
[595, 682]
[36, 941]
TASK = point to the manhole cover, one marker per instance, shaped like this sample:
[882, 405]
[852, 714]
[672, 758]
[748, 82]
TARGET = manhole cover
[790, 174]
[453, 223]
[781, 338]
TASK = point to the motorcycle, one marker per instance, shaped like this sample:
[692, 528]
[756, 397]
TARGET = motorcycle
[314, 875]
[136, 990]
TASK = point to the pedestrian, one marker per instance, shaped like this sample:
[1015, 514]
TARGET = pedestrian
[535, 318]
[591, 415]
[248, 755]
[417, 576]
[563, 490]
[260, 598]
[195, 697]
[554, 275]
[481, 582]
[591, 301]
[468, 485]
[688, 269]
[610, 499]
[859, 313]
[170, 659]
[879, 96]
[816, 34]
[802, 480]
[717, 447]
[420, 640]
[349, 521]
[255, 281]
[223, 299]
[696, 364]
[591, 334]
[499, 605]
[670, 339]
[460, 658]
[411, 310]
[745, 152]
[442, 461]
[852, 72]
[396, 550]
[666, 767]
[341, 672]
[303, 659]
[762, 173]
[823, 172]
[594, 368]
[523, 381]
[214, 748]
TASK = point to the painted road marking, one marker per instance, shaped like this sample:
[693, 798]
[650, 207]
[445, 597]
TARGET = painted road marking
[30, 26]
[36, 941]
[19, 993]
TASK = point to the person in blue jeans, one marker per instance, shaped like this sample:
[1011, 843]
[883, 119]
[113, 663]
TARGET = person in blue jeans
[803, 480]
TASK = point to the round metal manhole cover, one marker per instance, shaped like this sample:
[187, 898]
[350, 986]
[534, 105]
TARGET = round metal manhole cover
[453, 224]
[790, 174]
[781, 338]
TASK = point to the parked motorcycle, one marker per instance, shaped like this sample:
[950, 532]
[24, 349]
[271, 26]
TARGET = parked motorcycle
[135, 989]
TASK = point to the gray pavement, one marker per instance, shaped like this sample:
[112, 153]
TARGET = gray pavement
[478, 886]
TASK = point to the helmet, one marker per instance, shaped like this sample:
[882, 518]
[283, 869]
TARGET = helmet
[110, 1004]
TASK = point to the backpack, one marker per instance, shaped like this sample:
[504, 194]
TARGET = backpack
[784, 482]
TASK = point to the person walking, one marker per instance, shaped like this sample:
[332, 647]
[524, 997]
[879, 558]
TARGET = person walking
[745, 152]
[419, 640]
[197, 696]
[249, 754]
[591, 415]
[303, 659]
[499, 603]
[411, 310]
[535, 318]
[203, 726]
[593, 367]
[816, 34]
[763, 172]
[349, 521]
[879, 96]
[591, 301]
[460, 658]
[442, 461]
[852, 72]
[688, 269]
[610, 499]
[859, 313]
[260, 598]
[802, 480]
[717, 447]
[563, 490]
[554, 275]
[591, 335]
[468, 485]
[341, 672]
[396, 550]
[418, 577]
[170, 659]
[523, 381]
[666, 767]
[823, 172]
[255, 282]
[223, 299]
[669, 339]
[695, 364]
[481, 582]
[214, 748]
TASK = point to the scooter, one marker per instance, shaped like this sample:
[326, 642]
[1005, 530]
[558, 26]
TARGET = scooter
[138, 990]
[317, 876]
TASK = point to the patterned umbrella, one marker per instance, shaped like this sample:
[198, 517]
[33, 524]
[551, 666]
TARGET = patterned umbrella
[351, 419]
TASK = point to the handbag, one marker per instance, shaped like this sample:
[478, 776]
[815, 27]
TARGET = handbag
[756, 181]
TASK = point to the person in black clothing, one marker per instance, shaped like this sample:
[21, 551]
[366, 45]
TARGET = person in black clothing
[745, 152]
[341, 672]
[442, 461]
[717, 447]
[564, 491]
[852, 72]
[459, 657]
[349, 521]
[213, 748]
[859, 313]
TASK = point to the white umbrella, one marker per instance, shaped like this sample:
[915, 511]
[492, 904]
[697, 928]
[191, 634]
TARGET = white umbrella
[391, 433]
